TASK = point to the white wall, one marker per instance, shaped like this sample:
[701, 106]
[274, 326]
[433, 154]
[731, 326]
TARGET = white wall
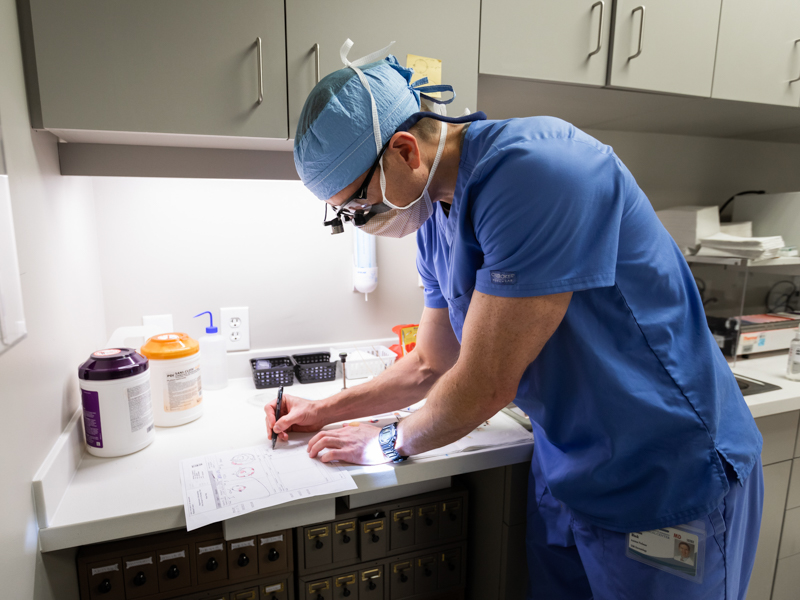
[185, 246]
[57, 243]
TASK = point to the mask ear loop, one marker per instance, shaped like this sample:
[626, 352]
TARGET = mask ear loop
[437, 158]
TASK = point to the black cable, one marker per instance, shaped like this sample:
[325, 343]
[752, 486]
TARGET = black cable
[732, 198]
[782, 302]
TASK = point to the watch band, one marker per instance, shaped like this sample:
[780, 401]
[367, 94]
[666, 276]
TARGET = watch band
[387, 439]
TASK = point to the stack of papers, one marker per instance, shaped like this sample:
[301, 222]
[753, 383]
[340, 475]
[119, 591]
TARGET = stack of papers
[753, 248]
[689, 224]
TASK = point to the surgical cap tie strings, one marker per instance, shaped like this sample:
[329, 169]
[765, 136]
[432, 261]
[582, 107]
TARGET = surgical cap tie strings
[437, 158]
[377, 55]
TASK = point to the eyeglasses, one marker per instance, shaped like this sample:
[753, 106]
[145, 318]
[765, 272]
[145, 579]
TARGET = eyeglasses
[355, 208]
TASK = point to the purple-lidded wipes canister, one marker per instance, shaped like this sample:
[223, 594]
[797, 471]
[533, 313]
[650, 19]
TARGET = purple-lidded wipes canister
[117, 410]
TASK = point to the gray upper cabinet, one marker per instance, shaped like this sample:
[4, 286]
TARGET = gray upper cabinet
[758, 52]
[565, 41]
[174, 67]
[665, 45]
[446, 29]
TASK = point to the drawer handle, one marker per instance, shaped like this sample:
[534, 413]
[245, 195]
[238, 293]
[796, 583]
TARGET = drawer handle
[105, 586]
[641, 32]
[798, 77]
[260, 72]
[273, 555]
[212, 564]
[173, 572]
[140, 579]
[602, 6]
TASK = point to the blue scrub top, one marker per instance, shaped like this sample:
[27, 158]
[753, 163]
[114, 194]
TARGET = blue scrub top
[635, 412]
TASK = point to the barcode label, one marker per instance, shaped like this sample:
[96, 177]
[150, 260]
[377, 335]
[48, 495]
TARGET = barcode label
[271, 540]
[107, 569]
[171, 555]
[129, 564]
[215, 548]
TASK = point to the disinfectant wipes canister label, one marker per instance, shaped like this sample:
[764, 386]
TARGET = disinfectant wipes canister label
[91, 418]
[140, 407]
[183, 390]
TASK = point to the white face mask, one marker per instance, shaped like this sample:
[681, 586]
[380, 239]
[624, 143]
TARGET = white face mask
[400, 221]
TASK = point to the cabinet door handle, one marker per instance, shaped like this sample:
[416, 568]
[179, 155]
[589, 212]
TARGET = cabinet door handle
[798, 77]
[641, 31]
[260, 72]
[316, 61]
[602, 6]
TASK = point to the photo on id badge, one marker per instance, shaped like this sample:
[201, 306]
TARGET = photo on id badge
[677, 550]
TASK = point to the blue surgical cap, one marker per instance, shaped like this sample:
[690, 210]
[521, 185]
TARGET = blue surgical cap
[335, 143]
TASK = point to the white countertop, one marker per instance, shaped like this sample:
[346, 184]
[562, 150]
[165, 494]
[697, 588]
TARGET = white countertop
[770, 369]
[141, 493]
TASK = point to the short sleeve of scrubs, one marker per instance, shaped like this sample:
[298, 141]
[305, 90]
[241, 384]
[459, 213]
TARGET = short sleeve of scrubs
[425, 249]
[546, 214]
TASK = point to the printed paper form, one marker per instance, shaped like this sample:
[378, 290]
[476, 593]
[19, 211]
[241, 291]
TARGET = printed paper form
[231, 483]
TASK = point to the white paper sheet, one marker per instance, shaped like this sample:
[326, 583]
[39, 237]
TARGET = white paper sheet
[228, 484]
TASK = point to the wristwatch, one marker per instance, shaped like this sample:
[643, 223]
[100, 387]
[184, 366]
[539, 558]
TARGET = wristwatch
[387, 439]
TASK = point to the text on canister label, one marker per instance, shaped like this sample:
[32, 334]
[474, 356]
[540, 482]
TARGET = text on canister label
[183, 389]
[91, 418]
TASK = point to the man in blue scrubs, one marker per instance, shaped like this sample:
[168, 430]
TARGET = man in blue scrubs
[549, 282]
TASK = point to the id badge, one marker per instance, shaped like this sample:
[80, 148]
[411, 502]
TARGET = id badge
[677, 550]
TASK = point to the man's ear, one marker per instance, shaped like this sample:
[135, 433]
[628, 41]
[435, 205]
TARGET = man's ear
[407, 148]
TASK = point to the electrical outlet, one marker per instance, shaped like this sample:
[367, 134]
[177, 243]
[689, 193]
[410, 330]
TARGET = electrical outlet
[235, 327]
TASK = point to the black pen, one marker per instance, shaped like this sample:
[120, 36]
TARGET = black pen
[277, 416]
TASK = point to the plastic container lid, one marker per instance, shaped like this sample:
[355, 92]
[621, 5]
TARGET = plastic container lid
[166, 346]
[113, 363]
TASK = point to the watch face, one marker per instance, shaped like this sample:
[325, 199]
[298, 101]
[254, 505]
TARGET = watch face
[385, 436]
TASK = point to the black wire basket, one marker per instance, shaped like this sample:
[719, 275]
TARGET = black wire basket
[314, 367]
[272, 371]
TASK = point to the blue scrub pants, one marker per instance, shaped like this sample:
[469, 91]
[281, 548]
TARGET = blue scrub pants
[570, 559]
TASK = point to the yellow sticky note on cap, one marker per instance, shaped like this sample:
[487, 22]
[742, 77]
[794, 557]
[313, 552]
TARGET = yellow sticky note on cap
[425, 67]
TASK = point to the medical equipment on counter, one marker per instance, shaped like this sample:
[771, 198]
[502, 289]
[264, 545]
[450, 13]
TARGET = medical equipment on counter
[117, 410]
[174, 378]
[213, 357]
[759, 333]
[365, 265]
[407, 335]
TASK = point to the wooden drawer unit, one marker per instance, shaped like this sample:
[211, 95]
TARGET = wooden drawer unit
[210, 560]
[275, 591]
[401, 526]
[318, 589]
[180, 565]
[450, 520]
[273, 552]
[373, 536]
[401, 577]
[141, 575]
[345, 586]
[105, 580]
[173, 568]
[345, 541]
[242, 558]
[317, 547]
[427, 524]
[450, 568]
[383, 530]
[371, 583]
[426, 574]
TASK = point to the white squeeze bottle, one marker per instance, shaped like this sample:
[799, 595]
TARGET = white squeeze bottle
[213, 357]
[793, 368]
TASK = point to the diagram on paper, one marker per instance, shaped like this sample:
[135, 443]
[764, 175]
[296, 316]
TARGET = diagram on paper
[227, 484]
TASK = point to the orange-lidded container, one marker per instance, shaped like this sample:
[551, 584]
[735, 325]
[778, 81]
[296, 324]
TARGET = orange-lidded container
[175, 383]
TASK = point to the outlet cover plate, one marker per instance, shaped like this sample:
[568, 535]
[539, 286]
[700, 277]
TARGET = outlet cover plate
[234, 325]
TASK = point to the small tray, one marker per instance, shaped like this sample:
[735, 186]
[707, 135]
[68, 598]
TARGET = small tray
[272, 371]
[314, 367]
